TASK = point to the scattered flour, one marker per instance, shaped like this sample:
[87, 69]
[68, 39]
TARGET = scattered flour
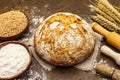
[45, 65]
[86, 65]
[91, 61]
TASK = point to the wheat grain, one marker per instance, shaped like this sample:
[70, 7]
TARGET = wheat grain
[107, 15]
[108, 12]
[12, 23]
[106, 23]
[113, 12]
[110, 7]
[117, 8]
[97, 10]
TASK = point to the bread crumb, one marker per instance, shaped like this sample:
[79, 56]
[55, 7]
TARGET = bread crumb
[12, 23]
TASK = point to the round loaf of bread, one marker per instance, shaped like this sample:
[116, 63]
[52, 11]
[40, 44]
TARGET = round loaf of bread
[64, 39]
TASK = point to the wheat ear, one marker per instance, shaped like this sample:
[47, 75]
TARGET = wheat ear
[106, 23]
[108, 12]
[97, 10]
[117, 8]
[110, 8]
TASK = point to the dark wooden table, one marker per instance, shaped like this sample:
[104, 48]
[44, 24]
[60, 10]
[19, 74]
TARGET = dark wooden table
[44, 8]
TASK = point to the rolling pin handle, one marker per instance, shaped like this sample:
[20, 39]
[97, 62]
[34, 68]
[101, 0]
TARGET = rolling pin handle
[109, 52]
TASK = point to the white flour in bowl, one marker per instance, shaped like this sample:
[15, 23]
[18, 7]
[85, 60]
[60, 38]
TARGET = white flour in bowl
[14, 58]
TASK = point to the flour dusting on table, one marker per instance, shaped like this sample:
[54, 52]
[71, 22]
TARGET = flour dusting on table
[90, 62]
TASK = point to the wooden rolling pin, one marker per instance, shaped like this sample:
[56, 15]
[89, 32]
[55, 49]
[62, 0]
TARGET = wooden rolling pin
[109, 52]
[112, 38]
[108, 71]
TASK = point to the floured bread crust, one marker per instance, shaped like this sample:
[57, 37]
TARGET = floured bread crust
[64, 39]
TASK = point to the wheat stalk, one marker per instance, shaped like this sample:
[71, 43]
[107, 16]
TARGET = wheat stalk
[106, 23]
[97, 10]
[107, 15]
[105, 6]
[108, 12]
[110, 7]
